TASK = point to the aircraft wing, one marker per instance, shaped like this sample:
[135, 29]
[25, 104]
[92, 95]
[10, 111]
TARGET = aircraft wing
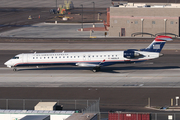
[87, 65]
[90, 64]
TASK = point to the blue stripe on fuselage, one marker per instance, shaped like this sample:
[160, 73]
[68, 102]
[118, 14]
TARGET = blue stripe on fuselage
[74, 64]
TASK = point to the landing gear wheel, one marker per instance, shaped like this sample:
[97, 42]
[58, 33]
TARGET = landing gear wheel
[96, 69]
[14, 69]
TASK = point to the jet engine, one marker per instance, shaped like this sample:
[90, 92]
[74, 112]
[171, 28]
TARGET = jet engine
[131, 54]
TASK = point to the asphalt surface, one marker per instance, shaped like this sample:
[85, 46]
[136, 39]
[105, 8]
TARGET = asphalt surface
[130, 97]
[13, 18]
[157, 72]
[77, 3]
[117, 99]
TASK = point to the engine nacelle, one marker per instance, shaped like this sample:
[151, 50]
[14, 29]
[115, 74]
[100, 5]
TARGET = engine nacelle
[131, 54]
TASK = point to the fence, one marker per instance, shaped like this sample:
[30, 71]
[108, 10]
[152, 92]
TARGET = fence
[92, 107]
[28, 104]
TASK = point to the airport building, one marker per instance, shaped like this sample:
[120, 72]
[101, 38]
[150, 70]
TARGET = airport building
[144, 20]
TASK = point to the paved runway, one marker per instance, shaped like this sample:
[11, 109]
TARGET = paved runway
[83, 46]
[120, 87]
[163, 72]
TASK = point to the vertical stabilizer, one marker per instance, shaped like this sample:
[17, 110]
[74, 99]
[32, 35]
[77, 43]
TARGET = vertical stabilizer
[157, 44]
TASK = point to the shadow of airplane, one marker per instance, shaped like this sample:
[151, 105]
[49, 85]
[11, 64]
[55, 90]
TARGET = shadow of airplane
[103, 69]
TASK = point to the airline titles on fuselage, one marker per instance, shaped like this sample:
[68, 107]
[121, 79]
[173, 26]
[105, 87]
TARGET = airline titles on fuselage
[66, 55]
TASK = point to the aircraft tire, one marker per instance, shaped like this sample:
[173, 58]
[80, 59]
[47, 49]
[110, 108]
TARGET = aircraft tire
[94, 70]
[14, 69]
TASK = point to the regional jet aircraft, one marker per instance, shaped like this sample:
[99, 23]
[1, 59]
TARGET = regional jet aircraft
[90, 59]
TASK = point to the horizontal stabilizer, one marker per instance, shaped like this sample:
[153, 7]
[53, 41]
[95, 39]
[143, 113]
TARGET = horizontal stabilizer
[163, 38]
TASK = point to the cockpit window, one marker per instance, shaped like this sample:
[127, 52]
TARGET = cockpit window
[15, 58]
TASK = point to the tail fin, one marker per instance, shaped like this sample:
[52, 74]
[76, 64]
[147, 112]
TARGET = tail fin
[157, 44]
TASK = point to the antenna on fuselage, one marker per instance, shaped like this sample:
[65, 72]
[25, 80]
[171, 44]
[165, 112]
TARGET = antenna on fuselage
[62, 51]
[35, 52]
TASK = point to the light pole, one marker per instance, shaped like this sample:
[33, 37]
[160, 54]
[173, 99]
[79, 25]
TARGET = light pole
[177, 98]
[93, 14]
[142, 26]
[56, 6]
[165, 26]
[82, 18]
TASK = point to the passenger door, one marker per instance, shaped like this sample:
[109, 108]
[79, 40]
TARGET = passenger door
[24, 58]
[122, 31]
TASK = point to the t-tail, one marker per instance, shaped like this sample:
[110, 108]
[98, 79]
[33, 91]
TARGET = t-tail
[157, 44]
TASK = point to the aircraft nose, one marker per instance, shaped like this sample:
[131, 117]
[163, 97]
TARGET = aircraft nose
[8, 63]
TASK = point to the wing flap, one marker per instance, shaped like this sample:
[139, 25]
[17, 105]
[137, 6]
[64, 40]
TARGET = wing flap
[87, 65]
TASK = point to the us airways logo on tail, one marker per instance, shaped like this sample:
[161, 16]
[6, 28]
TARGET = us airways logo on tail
[157, 44]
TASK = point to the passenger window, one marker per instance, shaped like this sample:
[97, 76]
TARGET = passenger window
[44, 57]
[74, 56]
[104, 55]
[96, 55]
[36, 57]
[52, 57]
[93, 56]
[71, 56]
[67, 56]
[108, 55]
[59, 57]
[63, 56]
[100, 55]
[112, 55]
[33, 57]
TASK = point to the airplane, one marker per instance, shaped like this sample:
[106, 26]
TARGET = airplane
[90, 59]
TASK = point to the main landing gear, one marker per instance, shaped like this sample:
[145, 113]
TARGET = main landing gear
[96, 69]
[14, 69]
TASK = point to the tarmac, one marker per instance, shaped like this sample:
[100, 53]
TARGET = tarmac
[47, 3]
[52, 30]
[161, 72]
[77, 3]
[120, 87]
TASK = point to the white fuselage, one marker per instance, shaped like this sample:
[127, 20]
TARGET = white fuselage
[87, 59]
